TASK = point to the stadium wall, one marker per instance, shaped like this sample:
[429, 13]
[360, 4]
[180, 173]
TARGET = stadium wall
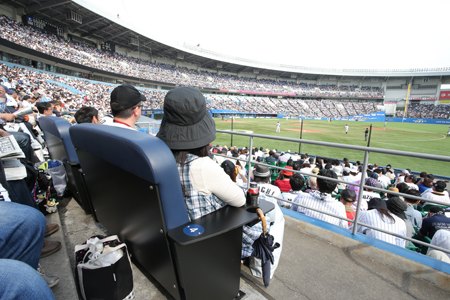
[127, 52]
[419, 121]
[429, 93]
[9, 11]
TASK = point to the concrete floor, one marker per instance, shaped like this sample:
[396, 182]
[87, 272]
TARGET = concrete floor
[309, 268]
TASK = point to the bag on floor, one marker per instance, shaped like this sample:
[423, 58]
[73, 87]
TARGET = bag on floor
[58, 173]
[103, 269]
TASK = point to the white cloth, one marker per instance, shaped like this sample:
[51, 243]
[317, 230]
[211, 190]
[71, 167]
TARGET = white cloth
[26, 104]
[373, 218]
[323, 202]
[412, 186]
[119, 125]
[10, 101]
[208, 178]
[107, 120]
[366, 196]
[436, 197]
[277, 231]
[4, 196]
[385, 180]
[269, 189]
[350, 178]
[239, 179]
[441, 239]
[290, 197]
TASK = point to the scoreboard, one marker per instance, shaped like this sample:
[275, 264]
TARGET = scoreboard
[110, 47]
[43, 25]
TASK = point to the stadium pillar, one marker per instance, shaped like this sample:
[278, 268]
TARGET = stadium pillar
[301, 134]
[406, 104]
[370, 135]
[232, 122]
[361, 184]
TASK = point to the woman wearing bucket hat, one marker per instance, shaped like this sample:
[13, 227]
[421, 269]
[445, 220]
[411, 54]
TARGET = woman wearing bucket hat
[188, 129]
[379, 216]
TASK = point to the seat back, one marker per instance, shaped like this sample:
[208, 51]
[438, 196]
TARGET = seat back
[57, 138]
[60, 147]
[133, 183]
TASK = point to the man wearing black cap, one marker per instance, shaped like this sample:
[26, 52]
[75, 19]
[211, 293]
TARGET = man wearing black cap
[436, 220]
[322, 200]
[126, 106]
[411, 181]
[437, 193]
[348, 197]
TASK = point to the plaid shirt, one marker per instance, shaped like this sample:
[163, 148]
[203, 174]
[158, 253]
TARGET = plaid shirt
[200, 205]
[2, 110]
[197, 205]
[251, 234]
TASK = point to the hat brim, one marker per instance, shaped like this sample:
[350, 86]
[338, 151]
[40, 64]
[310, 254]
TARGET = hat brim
[265, 174]
[188, 137]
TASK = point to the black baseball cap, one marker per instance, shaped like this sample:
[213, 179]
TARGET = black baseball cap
[439, 186]
[436, 209]
[125, 96]
[228, 167]
[348, 195]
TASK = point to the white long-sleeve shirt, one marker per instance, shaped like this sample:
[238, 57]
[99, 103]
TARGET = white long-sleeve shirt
[207, 177]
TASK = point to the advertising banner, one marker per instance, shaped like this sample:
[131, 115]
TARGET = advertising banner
[444, 95]
[419, 121]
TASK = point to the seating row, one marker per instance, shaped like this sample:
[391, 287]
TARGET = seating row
[129, 181]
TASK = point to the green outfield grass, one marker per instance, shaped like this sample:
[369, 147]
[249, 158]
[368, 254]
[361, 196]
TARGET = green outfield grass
[421, 138]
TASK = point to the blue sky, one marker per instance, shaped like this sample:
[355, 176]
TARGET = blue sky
[330, 34]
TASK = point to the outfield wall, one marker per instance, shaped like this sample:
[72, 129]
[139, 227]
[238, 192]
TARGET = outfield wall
[373, 117]
[419, 121]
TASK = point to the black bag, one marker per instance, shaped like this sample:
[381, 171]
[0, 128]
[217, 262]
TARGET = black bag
[32, 173]
[111, 282]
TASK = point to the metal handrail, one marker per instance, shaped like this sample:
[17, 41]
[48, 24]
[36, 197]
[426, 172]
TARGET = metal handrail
[361, 185]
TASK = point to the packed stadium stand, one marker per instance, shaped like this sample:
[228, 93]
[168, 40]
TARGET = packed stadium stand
[357, 255]
[93, 57]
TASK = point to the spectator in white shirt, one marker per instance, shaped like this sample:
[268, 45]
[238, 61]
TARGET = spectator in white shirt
[323, 200]
[378, 216]
[410, 181]
[441, 239]
[297, 182]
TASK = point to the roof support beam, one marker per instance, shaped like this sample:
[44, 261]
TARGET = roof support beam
[85, 22]
[95, 30]
[37, 6]
[111, 36]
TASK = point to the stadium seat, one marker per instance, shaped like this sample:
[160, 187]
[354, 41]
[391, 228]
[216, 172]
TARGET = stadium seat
[425, 209]
[282, 164]
[134, 185]
[421, 248]
[60, 147]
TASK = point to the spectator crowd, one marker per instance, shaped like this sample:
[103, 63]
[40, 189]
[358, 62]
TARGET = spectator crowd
[91, 56]
[425, 111]
[298, 189]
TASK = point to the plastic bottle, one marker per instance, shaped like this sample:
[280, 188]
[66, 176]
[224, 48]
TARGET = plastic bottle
[253, 195]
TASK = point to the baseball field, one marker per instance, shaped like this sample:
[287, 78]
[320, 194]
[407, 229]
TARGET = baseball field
[420, 138]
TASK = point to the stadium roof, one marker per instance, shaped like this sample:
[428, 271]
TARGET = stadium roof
[94, 26]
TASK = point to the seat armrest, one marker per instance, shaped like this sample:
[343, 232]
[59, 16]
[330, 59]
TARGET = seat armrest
[219, 222]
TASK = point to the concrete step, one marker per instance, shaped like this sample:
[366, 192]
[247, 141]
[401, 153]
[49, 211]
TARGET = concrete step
[310, 267]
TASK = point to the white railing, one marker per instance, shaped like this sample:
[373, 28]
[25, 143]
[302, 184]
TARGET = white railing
[367, 151]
